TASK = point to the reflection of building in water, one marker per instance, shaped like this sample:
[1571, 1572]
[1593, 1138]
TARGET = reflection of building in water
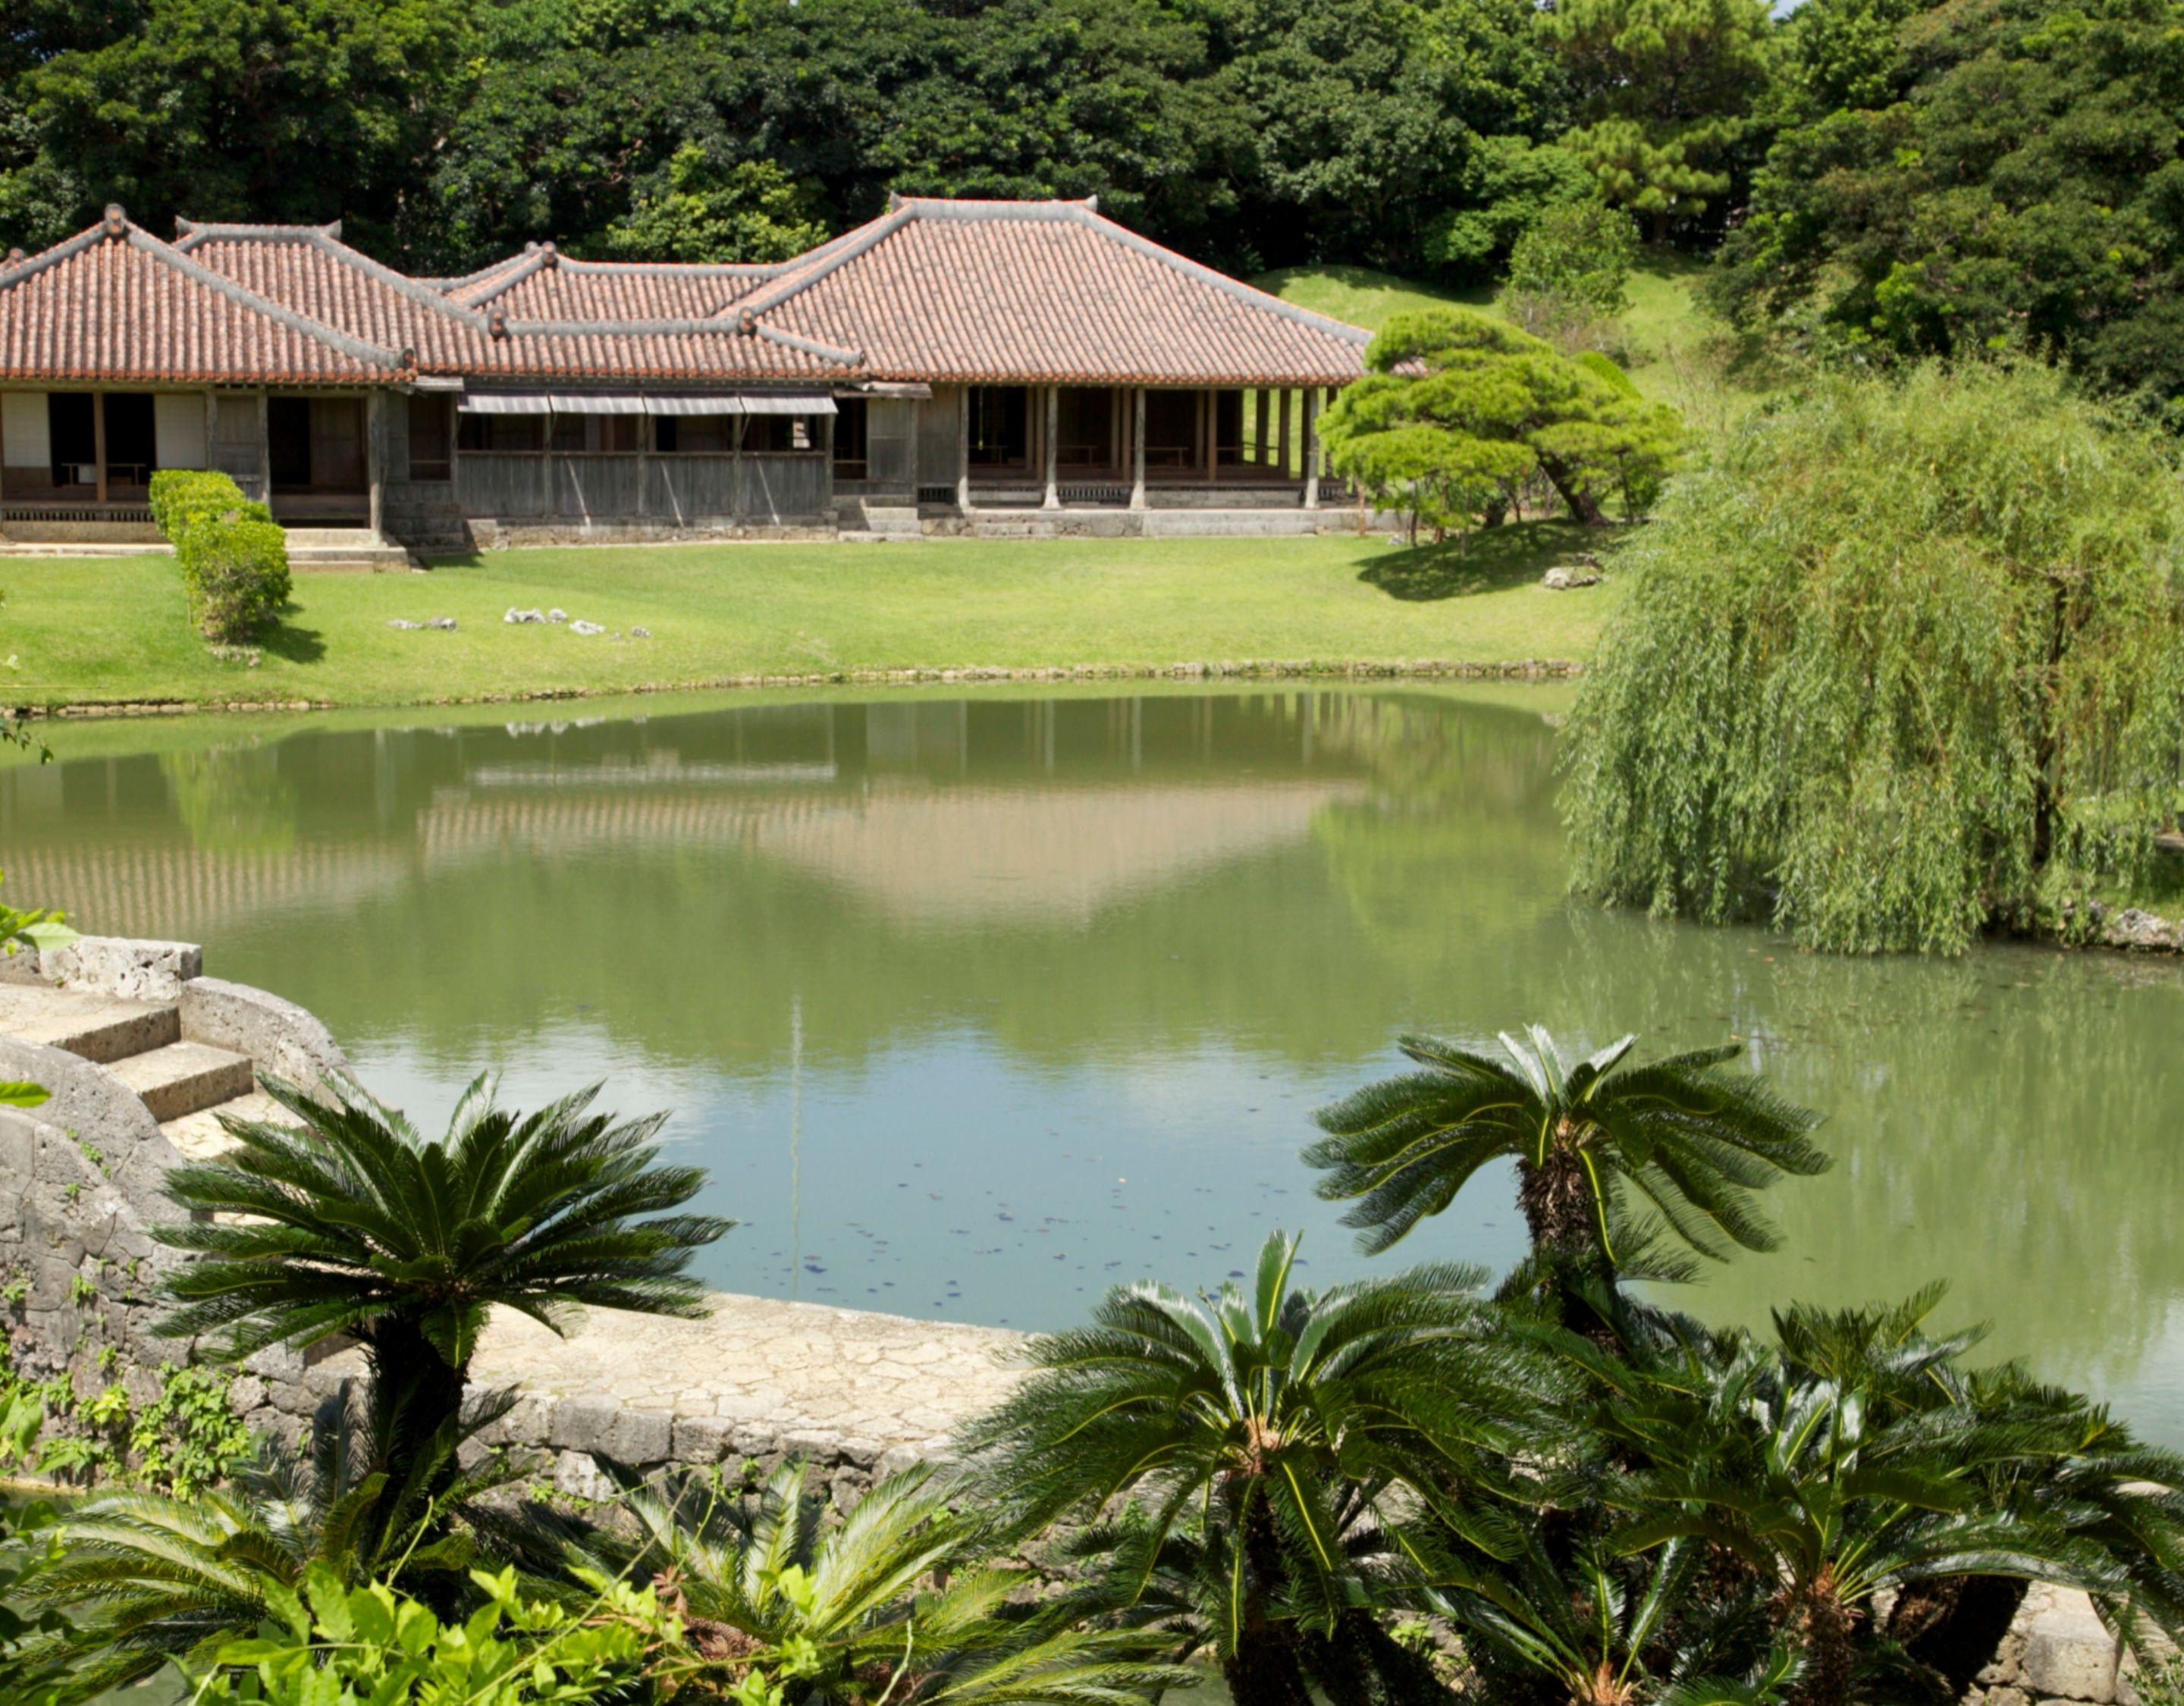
[929, 810]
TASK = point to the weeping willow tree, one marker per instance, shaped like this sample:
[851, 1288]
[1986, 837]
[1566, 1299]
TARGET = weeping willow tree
[1903, 661]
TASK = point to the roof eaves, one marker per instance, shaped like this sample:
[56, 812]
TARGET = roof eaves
[356, 348]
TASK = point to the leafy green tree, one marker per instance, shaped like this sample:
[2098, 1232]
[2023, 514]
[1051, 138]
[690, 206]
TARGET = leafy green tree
[1279, 1420]
[356, 1225]
[1690, 1140]
[1860, 697]
[1665, 89]
[1580, 252]
[695, 210]
[1957, 180]
[898, 1588]
[259, 109]
[1457, 405]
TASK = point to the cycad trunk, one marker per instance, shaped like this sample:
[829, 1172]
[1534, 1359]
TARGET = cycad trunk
[1826, 1624]
[1265, 1668]
[1555, 1195]
[418, 1402]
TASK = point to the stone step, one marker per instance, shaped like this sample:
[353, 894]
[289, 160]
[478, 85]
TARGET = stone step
[183, 1078]
[200, 1136]
[98, 1028]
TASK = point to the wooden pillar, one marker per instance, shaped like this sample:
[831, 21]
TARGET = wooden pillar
[1211, 410]
[375, 458]
[212, 427]
[1283, 458]
[963, 450]
[264, 455]
[1260, 446]
[1052, 500]
[1138, 446]
[98, 441]
[644, 464]
[1312, 447]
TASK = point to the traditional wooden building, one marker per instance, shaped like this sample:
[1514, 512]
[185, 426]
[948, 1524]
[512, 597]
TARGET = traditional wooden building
[953, 365]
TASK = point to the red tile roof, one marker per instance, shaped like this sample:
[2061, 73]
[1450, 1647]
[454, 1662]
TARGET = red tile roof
[114, 302]
[996, 291]
[603, 321]
[951, 291]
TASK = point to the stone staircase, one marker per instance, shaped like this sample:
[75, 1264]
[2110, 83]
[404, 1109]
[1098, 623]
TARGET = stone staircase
[186, 1085]
[864, 521]
[342, 547]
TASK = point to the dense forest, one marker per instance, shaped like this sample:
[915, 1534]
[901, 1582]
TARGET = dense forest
[1878, 176]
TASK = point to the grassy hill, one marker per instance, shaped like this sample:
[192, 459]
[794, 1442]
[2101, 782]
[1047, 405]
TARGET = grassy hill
[1672, 348]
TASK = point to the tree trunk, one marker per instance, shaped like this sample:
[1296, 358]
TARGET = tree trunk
[1583, 505]
[416, 1405]
[1557, 1200]
[1265, 1668]
[1826, 1624]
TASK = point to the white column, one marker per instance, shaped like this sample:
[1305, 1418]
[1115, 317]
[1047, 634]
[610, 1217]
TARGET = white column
[963, 450]
[1138, 448]
[1053, 498]
[1311, 447]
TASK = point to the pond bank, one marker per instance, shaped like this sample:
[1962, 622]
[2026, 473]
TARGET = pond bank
[1250, 669]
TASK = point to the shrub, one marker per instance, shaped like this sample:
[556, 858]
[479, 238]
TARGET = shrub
[1569, 274]
[234, 558]
[1906, 661]
[180, 495]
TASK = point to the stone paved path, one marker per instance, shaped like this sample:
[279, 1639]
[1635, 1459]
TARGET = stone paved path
[881, 1380]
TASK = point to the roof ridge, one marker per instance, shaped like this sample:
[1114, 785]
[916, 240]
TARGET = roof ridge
[31, 265]
[189, 231]
[167, 254]
[846, 247]
[1116, 232]
[531, 260]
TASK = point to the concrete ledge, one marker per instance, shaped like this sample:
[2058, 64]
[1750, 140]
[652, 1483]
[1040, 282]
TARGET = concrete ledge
[277, 1035]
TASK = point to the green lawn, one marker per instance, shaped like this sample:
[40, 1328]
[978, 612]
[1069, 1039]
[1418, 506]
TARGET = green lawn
[76, 632]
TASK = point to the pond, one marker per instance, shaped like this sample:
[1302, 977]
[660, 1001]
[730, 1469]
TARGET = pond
[974, 1006]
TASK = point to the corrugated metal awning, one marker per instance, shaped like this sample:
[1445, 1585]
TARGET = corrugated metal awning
[773, 404]
[631, 403]
[597, 402]
[745, 403]
[503, 403]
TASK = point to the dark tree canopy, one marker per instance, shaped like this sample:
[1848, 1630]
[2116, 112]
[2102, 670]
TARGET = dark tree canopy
[1959, 178]
[1411, 134]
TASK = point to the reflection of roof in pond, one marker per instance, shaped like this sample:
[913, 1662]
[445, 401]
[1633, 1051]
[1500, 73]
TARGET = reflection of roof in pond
[918, 852]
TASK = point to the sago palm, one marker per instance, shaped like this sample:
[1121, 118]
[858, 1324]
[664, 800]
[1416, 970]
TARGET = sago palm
[1680, 1133]
[356, 1224]
[894, 1601]
[1273, 1421]
[1809, 1483]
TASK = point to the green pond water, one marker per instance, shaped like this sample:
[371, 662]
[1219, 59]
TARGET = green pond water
[974, 1006]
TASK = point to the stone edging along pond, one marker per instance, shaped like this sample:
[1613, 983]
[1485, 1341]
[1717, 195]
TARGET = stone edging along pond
[1249, 669]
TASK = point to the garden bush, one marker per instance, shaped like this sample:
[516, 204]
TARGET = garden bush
[1905, 660]
[233, 556]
